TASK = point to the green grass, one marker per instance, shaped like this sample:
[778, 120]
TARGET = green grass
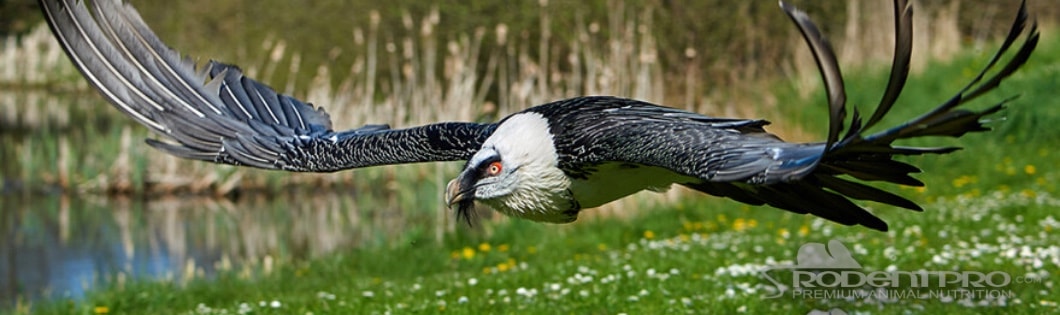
[988, 208]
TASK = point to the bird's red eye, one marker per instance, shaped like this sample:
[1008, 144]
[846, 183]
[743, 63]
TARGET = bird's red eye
[494, 169]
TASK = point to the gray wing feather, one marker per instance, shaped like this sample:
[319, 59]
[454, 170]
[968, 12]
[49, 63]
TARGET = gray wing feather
[215, 113]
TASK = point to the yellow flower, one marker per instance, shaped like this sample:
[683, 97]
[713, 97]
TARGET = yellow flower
[804, 230]
[1029, 169]
[964, 180]
[531, 250]
[101, 310]
[601, 247]
[505, 266]
[502, 248]
[468, 253]
[739, 224]
[649, 234]
[484, 247]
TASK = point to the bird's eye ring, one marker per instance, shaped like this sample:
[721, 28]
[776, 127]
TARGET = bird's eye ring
[494, 169]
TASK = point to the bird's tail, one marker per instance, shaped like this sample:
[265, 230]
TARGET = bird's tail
[821, 187]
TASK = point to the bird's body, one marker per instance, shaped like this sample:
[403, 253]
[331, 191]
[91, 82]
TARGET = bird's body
[545, 163]
[599, 149]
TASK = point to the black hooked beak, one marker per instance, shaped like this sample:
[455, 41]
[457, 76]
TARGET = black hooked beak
[460, 192]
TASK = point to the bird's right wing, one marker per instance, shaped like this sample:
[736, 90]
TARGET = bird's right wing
[216, 114]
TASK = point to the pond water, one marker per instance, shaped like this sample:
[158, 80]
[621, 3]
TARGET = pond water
[59, 246]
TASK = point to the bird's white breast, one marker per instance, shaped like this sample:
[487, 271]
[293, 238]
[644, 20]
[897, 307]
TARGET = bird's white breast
[611, 181]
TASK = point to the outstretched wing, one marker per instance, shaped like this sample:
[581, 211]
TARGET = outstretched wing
[214, 113]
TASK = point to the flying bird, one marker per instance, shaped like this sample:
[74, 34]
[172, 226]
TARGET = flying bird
[545, 163]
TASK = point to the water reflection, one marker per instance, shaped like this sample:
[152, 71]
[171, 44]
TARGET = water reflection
[56, 245]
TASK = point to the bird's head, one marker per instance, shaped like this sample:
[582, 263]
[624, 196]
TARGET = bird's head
[515, 172]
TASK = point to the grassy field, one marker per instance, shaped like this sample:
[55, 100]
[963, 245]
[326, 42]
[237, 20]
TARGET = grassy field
[990, 208]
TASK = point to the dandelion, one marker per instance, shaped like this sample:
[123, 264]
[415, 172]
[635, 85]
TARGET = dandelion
[648, 234]
[1029, 169]
[484, 247]
[468, 253]
[964, 180]
[531, 250]
[804, 230]
[739, 224]
[503, 248]
[101, 310]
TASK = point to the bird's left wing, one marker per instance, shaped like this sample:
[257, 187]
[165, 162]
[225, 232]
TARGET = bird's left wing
[214, 113]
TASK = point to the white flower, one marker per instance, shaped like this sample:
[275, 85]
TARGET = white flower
[368, 294]
[462, 300]
[472, 282]
[275, 304]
